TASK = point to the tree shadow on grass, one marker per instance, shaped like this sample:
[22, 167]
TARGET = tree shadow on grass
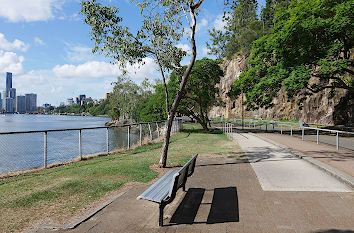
[211, 131]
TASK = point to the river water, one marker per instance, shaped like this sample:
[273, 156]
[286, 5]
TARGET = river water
[26, 150]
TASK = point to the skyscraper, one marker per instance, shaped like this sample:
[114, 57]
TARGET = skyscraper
[31, 102]
[3, 96]
[8, 82]
[9, 107]
[12, 93]
[21, 104]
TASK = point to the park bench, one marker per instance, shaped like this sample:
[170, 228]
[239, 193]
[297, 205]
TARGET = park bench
[164, 190]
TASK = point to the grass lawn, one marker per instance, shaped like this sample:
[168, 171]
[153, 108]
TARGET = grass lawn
[55, 195]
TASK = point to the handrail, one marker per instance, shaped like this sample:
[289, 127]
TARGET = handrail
[329, 130]
[74, 129]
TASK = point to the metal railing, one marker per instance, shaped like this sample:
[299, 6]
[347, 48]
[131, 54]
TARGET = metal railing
[22, 149]
[337, 138]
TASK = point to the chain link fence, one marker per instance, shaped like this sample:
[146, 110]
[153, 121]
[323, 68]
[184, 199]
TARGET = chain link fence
[31, 149]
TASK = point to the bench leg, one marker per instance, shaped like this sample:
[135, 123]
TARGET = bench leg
[161, 215]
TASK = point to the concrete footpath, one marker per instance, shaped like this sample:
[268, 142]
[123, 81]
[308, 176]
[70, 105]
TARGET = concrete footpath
[225, 195]
[341, 159]
[279, 170]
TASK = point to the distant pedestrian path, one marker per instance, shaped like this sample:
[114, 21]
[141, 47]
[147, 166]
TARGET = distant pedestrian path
[341, 159]
[279, 170]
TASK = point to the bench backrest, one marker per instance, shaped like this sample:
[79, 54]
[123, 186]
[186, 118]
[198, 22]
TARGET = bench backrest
[181, 176]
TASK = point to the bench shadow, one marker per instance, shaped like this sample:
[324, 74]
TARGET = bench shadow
[224, 207]
[334, 231]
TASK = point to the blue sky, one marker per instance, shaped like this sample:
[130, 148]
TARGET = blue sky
[47, 47]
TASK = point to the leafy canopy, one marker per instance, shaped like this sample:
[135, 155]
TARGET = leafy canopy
[309, 39]
[199, 96]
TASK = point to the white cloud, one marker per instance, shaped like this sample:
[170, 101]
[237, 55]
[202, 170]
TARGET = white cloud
[10, 62]
[185, 48]
[79, 53]
[205, 51]
[92, 78]
[202, 24]
[91, 69]
[38, 41]
[100, 69]
[219, 23]
[16, 44]
[28, 10]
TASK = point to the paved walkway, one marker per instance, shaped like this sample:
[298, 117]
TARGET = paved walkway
[225, 195]
[278, 170]
[340, 159]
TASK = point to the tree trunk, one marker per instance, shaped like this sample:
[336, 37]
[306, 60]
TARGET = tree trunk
[179, 95]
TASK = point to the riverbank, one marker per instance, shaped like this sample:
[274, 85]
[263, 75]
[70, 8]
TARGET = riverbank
[56, 195]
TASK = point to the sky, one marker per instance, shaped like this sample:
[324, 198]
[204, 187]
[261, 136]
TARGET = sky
[47, 47]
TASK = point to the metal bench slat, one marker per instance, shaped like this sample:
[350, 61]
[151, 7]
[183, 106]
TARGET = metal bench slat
[159, 190]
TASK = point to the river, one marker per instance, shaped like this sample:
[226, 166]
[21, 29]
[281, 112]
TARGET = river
[26, 150]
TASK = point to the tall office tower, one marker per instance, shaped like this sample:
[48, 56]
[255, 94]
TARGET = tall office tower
[8, 81]
[77, 100]
[9, 108]
[12, 93]
[31, 102]
[0, 102]
[82, 99]
[21, 104]
[3, 95]
[69, 102]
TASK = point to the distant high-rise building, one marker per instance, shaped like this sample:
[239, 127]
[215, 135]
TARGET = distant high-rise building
[12, 93]
[9, 107]
[8, 81]
[69, 102]
[21, 104]
[31, 102]
[62, 104]
[0, 102]
[81, 97]
[3, 95]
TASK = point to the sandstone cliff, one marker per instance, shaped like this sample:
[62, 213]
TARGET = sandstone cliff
[320, 108]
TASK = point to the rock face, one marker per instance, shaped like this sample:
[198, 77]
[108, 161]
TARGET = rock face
[319, 108]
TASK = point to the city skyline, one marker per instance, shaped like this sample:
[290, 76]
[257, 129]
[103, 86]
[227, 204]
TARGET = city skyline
[12, 103]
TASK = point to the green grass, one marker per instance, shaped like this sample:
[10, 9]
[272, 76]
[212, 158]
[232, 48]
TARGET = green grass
[60, 192]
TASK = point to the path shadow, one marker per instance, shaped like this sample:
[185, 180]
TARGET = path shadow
[224, 207]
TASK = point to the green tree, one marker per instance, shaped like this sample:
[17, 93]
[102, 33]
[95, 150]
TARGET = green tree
[201, 92]
[309, 39]
[243, 27]
[162, 28]
[125, 96]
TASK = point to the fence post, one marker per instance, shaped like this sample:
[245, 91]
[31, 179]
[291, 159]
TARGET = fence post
[281, 129]
[128, 137]
[302, 133]
[140, 136]
[150, 131]
[337, 140]
[45, 149]
[291, 131]
[266, 126]
[80, 145]
[317, 136]
[158, 133]
[107, 139]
